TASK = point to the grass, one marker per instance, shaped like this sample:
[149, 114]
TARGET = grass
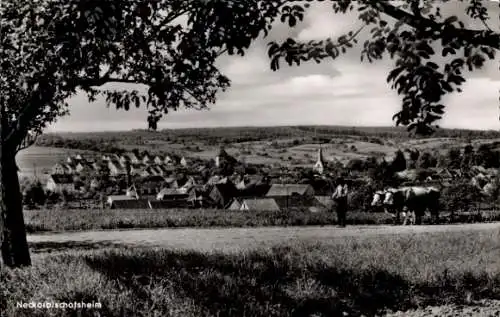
[64, 220]
[357, 276]
[80, 220]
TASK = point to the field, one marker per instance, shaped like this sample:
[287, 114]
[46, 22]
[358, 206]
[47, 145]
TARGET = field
[75, 219]
[41, 159]
[292, 146]
[325, 275]
[57, 220]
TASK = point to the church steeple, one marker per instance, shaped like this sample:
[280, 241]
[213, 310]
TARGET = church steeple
[319, 166]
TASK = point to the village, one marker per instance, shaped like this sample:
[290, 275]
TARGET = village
[134, 180]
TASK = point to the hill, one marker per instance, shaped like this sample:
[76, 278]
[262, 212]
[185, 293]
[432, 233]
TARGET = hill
[289, 145]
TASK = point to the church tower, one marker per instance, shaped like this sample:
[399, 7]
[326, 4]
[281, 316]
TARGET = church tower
[319, 166]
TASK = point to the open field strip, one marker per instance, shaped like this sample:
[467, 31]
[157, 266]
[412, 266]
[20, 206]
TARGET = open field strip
[228, 239]
[449, 270]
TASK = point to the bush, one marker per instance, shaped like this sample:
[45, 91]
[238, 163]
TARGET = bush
[34, 194]
[460, 197]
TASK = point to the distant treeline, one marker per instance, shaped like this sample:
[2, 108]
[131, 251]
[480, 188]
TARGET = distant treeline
[114, 141]
[84, 144]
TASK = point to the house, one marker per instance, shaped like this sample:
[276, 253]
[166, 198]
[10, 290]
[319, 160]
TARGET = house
[70, 160]
[289, 202]
[133, 203]
[58, 169]
[190, 183]
[255, 190]
[222, 194]
[278, 190]
[95, 183]
[168, 204]
[59, 183]
[155, 170]
[146, 159]
[319, 166]
[216, 179]
[160, 170]
[168, 160]
[113, 198]
[198, 197]
[132, 157]
[84, 168]
[151, 185]
[235, 204]
[70, 168]
[144, 172]
[171, 194]
[79, 157]
[115, 168]
[158, 159]
[259, 204]
[124, 161]
[223, 158]
[184, 162]
[136, 169]
[171, 182]
[132, 192]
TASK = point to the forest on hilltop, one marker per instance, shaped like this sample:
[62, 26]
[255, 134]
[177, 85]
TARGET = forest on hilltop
[112, 141]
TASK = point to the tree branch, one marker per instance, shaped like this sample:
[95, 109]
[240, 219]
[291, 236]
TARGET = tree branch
[27, 142]
[89, 82]
[486, 38]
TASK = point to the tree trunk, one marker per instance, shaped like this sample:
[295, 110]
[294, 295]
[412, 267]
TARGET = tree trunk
[15, 251]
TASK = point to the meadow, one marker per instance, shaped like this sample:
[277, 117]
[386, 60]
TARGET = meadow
[57, 220]
[346, 276]
[92, 219]
[40, 159]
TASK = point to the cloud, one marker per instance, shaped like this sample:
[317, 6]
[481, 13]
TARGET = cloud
[339, 92]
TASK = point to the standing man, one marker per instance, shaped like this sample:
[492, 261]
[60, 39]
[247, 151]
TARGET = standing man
[340, 197]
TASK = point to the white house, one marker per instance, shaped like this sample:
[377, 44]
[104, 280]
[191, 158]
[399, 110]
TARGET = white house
[146, 159]
[115, 168]
[59, 183]
[133, 158]
[70, 169]
[168, 160]
[58, 168]
[158, 160]
[184, 162]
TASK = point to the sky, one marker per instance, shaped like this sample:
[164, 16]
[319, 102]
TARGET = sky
[344, 91]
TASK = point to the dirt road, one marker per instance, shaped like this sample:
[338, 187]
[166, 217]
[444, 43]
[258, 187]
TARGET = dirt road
[228, 239]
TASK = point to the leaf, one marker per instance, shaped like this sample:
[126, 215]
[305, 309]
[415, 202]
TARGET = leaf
[393, 74]
[432, 65]
[451, 19]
